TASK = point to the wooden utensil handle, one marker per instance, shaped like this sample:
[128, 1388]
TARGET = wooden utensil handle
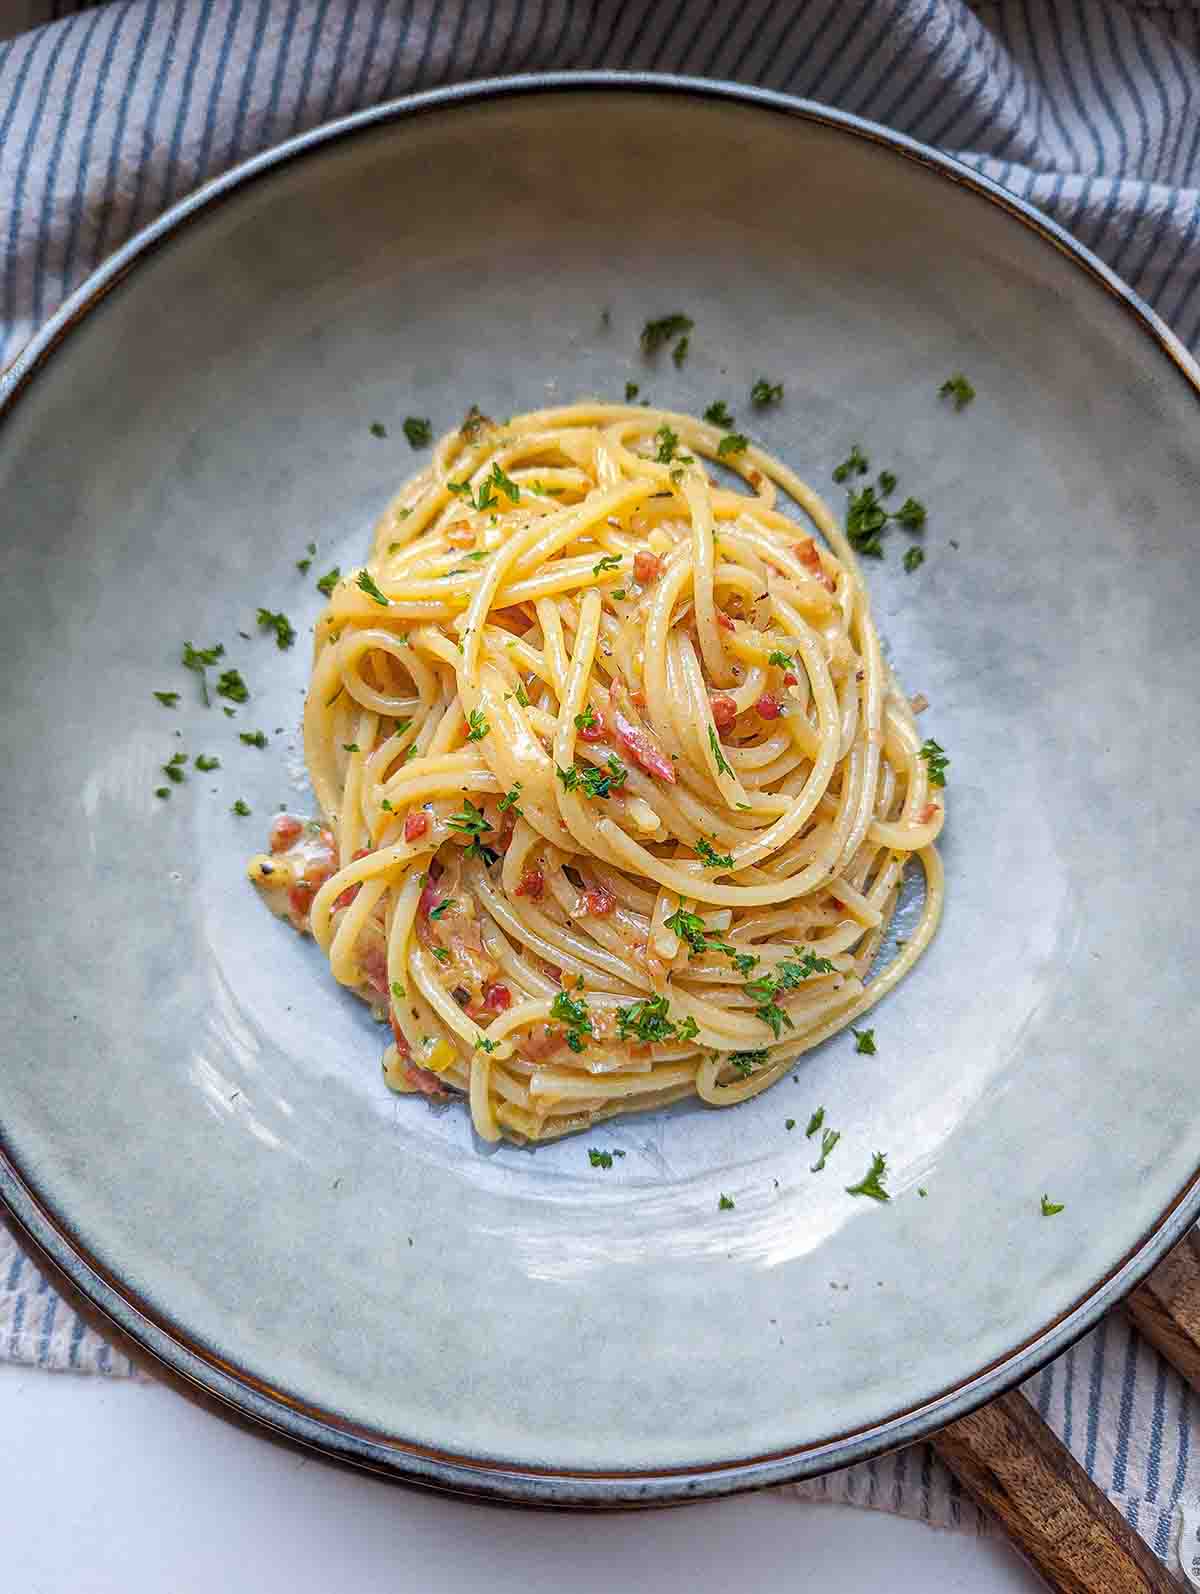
[1166, 1308]
[1054, 1514]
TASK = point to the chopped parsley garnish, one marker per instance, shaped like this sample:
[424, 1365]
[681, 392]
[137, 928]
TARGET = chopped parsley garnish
[648, 1022]
[443, 905]
[575, 1019]
[743, 962]
[725, 1204]
[865, 519]
[418, 431]
[594, 782]
[509, 800]
[722, 767]
[1049, 1208]
[482, 1044]
[712, 858]
[656, 333]
[543, 491]
[610, 561]
[473, 423]
[668, 442]
[856, 463]
[199, 659]
[957, 389]
[285, 633]
[911, 515]
[241, 809]
[921, 1190]
[935, 761]
[167, 699]
[478, 727]
[785, 978]
[329, 580]
[162, 791]
[347, 747]
[790, 974]
[305, 565]
[378, 429]
[387, 807]
[521, 695]
[814, 1123]
[688, 927]
[586, 720]
[732, 443]
[887, 482]
[829, 1139]
[505, 483]
[398, 991]
[914, 559]
[717, 415]
[477, 557]
[872, 1183]
[602, 1159]
[231, 685]
[680, 352]
[864, 1040]
[473, 822]
[785, 661]
[174, 769]
[440, 953]
[631, 392]
[764, 393]
[204, 763]
[747, 1062]
[366, 583]
[789, 1123]
[617, 592]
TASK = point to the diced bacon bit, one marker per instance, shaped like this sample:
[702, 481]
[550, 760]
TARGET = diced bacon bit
[594, 733]
[724, 711]
[300, 898]
[460, 535]
[497, 998]
[540, 1042]
[646, 566]
[430, 897]
[348, 895]
[598, 902]
[927, 813]
[643, 749]
[373, 963]
[754, 477]
[415, 825]
[919, 703]
[810, 557]
[767, 708]
[424, 1080]
[284, 831]
[512, 619]
[531, 885]
[790, 678]
[724, 621]
[400, 1038]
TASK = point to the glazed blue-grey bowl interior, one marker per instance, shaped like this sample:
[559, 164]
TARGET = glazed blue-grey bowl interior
[192, 1114]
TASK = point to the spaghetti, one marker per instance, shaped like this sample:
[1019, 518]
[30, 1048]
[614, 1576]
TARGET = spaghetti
[618, 788]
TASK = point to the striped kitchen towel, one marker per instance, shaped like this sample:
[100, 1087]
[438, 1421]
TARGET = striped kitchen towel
[1091, 110]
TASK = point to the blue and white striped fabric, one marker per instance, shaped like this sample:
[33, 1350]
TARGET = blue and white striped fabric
[1091, 110]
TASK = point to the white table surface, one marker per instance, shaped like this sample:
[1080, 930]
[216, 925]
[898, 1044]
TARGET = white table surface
[111, 1486]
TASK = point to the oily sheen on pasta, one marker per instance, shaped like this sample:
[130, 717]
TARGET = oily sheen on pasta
[617, 788]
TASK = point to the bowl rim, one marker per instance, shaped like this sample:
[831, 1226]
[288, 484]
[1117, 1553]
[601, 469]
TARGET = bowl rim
[237, 1392]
